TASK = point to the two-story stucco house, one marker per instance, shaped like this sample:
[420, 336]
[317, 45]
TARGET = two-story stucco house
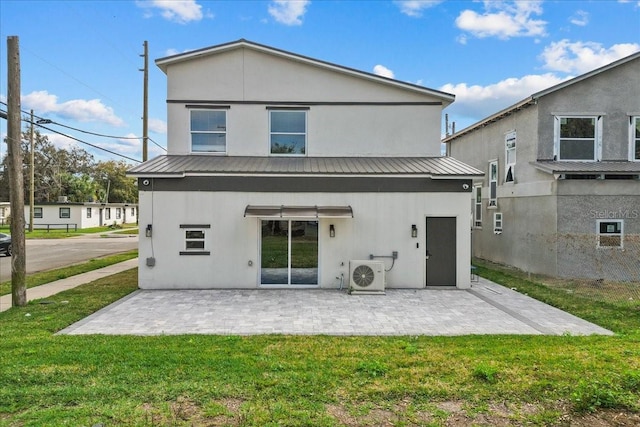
[281, 169]
[561, 194]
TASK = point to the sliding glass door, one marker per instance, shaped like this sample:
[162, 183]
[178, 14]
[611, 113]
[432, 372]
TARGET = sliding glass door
[289, 252]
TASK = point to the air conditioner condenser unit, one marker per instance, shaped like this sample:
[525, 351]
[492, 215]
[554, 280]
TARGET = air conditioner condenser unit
[366, 277]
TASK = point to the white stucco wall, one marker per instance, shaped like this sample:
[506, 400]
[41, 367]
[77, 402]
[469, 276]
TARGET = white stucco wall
[381, 224]
[371, 123]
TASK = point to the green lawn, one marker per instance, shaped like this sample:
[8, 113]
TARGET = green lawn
[194, 380]
[37, 279]
[62, 233]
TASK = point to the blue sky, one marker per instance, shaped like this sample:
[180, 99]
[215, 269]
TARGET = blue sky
[80, 59]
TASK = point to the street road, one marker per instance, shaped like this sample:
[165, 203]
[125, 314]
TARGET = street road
[46, 254]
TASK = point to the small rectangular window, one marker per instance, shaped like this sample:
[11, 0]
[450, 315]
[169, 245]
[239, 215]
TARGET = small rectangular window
[118, 213]
[65, 212]
[477, 206]
[288, 132]
[208, 131]
[195, 242]
[37, 212]
[497, 223]
[493, 183]
[610, 233]
[88, 212]
[510, 156]
[107, 213]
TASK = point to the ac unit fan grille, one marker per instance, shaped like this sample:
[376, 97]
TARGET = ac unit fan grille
[363, 276]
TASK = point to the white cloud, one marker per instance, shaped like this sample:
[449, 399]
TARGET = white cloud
[288, 12]
[582, 57]
[82, 110]
[158, 126]
[180, 11]
[504, 19]
[476, 101]
[414, 8]
[383, 71]
[62, 142]
[580, 18]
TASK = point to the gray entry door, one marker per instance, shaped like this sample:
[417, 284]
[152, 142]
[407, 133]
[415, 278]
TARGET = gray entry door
[441, 251]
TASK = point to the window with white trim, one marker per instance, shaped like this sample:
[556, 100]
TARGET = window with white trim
[288, 132]
[477, 206]
[497, 222]
[578, 138]
[634, 149]
[37, 211]
[195, 242]
[610, 233]
[510, 156]
[208, 131]
[107, 213]
[493, 183]
[65, 212]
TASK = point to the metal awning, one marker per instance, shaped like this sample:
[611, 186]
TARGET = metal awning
[298, 211]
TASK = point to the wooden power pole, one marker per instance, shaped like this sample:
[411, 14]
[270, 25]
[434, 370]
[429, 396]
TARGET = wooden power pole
[145, 103]
[16, 183]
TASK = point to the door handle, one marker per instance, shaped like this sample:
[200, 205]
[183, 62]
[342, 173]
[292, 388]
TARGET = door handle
[428, 254]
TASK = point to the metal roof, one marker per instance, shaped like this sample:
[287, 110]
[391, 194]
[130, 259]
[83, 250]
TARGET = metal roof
[201, 165]
[299, 211]
[611, 167]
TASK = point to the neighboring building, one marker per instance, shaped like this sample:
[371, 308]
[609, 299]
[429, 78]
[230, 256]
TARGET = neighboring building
[57, 215]
[282, 168]
[561, 194]
[5, 213]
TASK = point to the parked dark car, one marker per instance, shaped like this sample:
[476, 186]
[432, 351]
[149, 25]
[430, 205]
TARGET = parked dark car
[5, 244]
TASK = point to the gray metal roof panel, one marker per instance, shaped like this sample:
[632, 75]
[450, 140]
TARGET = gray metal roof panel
[171, 165]
[588, 167]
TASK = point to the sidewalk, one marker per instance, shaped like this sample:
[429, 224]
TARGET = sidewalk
[52, 288]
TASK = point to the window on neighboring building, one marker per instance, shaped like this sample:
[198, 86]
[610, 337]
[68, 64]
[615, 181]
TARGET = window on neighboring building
[88, 212]
[635, 139]
[118, 213]
[37, 212]
[107, 213]
[497, 222]
[133, 212]
[610, 233]
[477, 206]
[577, 138]
[195, 242]
[208, 131]
[510, 156]
[288, 132]
[493, 183]
[65, 212]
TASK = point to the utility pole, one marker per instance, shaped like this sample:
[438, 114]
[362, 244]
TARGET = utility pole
[16, 183]
[145, 102]
[32, 175]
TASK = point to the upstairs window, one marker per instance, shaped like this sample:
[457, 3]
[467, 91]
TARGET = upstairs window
[288, 132]
[577, 138]
[635, 139]
[493, 183]
[610, 233]
[510, 156]
[477, 206]
[208, 131]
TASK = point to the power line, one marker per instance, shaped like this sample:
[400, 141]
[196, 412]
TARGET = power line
[3, 114]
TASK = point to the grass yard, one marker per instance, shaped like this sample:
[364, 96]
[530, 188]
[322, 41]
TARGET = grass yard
[192, 380]
[61, 233]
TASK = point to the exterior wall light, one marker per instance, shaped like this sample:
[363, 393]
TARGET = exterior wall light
[414, 231]
[332, 231]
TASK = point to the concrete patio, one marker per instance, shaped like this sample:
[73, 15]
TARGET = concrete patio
[487, 308]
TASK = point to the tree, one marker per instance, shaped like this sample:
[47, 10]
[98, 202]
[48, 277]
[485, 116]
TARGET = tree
[115, 187]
